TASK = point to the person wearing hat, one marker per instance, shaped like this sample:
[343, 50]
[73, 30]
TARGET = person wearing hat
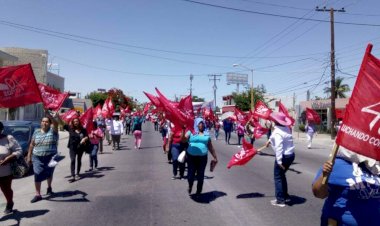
[281, 141]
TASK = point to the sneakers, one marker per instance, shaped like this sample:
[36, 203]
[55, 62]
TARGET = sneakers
[8, 208]
[36, 199]
[49, 191]
[276, 203]
[189, 190]
[77, 177]
[173, 178]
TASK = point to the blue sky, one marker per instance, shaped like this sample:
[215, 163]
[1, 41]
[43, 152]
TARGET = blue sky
[136, 45]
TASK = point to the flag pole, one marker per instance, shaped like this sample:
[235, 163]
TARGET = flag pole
[334, 152]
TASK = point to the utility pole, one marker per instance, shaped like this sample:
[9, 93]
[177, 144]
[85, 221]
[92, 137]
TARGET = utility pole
[191, 84]
[332, 113]
[214, 87]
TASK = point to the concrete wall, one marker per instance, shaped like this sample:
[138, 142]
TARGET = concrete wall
[55, 81]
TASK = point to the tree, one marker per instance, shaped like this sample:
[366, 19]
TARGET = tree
[97, 98]
[198, 99]
[340, 88]
[243, 100]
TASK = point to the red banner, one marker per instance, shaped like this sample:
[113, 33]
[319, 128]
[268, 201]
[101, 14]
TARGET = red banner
[86, 119]
[18, 86]
[186, 106]
[153, 99]
[68, 116]
[261, 110]
[312, 116]
[259, 130]
[97, 111]
[108, 109]
[282, 108]
[146, 108]
[241, 116]
[241, 158]
[52, 98]
[360, 131]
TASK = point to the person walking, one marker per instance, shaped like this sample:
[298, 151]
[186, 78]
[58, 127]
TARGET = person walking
[352, 193]
[176, 146]
[128, 123]
[10, 150]
[102, 126]
[116, 131]
[137, 131]
[216, 129]
[227, 127]
[281, 141]
[42, 149]
[240, 132]
[96, 135]
[250, 130]
[108, 123]
[310, 130]
[199, 146]
[77, 145]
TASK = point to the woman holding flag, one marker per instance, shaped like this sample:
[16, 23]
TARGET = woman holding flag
[281, 141]
[199, 146]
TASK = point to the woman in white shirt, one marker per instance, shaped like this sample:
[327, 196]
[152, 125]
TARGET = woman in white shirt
[116, 131]
[281, 141]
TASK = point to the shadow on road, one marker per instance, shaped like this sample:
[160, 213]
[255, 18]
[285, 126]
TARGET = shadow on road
[207, 197]
[18, 216]
[266, 154]
[106, 168]
[68, 196]
[250, 195]
[295, 171]
[296, 200]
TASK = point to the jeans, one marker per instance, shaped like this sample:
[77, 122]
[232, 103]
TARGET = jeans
[216, 134]
[227, 136]
[253, 139]
[176, 149]
[94, 156]
[239, 138]
[280, 183]
[196, 165]
[75, 154]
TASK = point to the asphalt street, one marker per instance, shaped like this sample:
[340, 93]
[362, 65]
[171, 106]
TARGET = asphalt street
[134, 187]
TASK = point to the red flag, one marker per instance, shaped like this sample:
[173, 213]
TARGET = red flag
[261, 110]
[86, 120]
[241, 116]
[242, 157]
[175, 115]
[146, 108]
[69, 115]
[282, 108]
[186, 105]
[312, 116]
[153, 99]
[360, 131]
[18, 86]
[97, 111]
[52, 98]
[108, 109]
[259, 131]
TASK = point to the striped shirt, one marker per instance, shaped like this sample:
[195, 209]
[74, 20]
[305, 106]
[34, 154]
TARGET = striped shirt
[45, 143]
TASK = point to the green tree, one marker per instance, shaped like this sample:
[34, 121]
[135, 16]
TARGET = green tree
[243, 100]
[198, 99]
[340, 88]
[97, 98]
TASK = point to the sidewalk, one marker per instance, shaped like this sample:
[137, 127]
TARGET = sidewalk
[323, 139]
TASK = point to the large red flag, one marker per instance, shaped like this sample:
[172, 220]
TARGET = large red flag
[52, 98]
[261, 110]
[312, 116]
[282, 108]
[241, 158]
[108, 109]
[360, 131]
[153, 99]
[97, 111]
[146, 108]
[18, 86]
[86, 119]
[186, 105]
[241, 116]
[69, 115]
[259, 131]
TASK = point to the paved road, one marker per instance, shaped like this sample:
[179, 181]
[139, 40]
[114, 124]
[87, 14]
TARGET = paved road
[134, 187]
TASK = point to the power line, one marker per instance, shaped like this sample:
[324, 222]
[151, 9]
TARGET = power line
[278, 15]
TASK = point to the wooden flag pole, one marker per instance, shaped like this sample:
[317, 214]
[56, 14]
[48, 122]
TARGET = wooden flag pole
[334, 152]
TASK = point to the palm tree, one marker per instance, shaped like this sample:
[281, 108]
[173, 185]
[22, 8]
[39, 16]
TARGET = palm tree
[340, 88]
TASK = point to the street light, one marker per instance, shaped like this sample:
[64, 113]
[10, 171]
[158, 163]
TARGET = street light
[251, 69]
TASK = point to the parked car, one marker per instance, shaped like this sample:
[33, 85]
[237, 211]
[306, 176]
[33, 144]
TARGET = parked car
[22, 131]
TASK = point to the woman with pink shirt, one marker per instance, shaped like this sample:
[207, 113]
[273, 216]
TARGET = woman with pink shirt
[240, 132]
[95, 136]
